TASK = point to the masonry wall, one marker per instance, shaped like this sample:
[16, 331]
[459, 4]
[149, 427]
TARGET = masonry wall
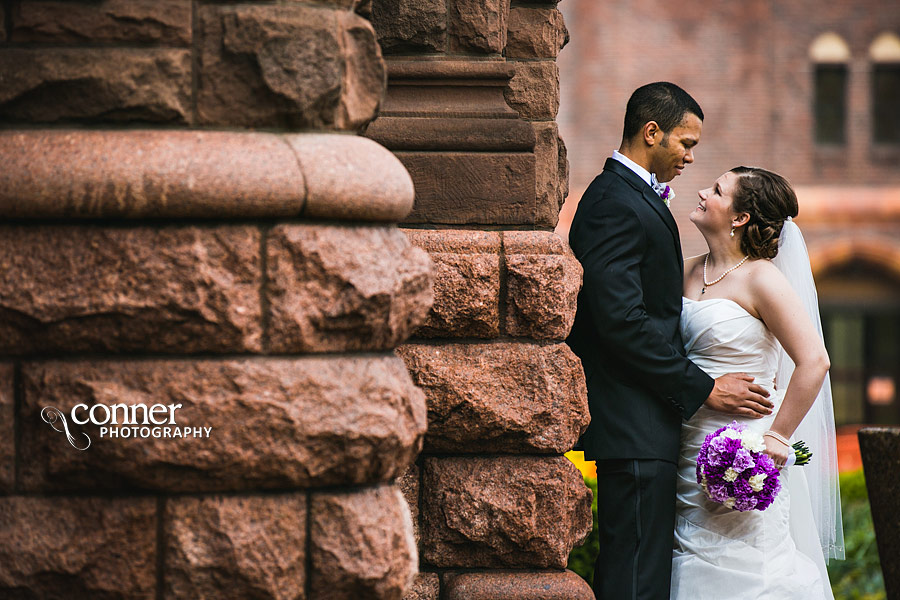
[188, 219]
[473, 93]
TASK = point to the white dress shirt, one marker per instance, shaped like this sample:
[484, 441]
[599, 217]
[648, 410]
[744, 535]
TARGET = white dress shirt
[638, 169]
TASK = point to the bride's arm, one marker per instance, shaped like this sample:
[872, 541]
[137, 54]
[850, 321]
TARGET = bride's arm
[783, 313]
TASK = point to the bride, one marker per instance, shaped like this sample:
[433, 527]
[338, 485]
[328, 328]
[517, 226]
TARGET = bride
[750, 305]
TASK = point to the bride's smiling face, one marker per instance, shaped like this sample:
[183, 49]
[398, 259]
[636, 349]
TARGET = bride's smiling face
[714, 210]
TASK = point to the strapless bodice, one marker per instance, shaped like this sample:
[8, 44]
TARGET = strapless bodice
[721, 337]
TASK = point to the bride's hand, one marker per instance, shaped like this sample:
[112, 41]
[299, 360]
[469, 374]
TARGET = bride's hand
[777, 451]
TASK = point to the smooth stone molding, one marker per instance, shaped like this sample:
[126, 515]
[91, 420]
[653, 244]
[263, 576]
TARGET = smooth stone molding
[448, 89]
[517, 585]
[64, 174]
[880, 449]
[436, 133]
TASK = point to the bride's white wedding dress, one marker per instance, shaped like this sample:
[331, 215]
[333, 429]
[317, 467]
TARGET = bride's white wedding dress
[721, 553]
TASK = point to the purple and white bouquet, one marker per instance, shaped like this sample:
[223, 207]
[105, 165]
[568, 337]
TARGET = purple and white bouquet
[734, 470]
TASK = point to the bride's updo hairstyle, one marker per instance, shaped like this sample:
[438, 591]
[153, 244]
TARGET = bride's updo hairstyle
[769, 199]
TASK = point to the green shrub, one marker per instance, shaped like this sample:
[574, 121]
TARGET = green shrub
[581, 559]
[856, 578]
[859, 576]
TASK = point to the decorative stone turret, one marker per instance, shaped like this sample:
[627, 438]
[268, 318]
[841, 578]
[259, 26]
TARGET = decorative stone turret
[214, 310]
[470, 108]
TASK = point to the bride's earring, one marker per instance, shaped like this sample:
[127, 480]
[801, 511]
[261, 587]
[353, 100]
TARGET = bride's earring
[732, 231]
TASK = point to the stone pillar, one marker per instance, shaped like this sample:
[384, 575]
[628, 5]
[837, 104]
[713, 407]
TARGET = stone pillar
[470, 111]
[880, 449]
[212, 309]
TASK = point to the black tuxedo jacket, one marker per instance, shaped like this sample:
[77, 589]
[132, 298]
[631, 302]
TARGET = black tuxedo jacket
[626, 330]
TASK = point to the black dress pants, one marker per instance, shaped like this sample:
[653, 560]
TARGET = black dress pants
[636, 513]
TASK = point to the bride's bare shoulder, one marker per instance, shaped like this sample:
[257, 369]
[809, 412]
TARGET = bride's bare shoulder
[765, 278]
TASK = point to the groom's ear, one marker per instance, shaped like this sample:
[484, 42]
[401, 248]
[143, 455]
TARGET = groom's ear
[651, 133]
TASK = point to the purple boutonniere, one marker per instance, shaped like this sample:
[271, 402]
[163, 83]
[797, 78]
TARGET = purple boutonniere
[667, 195]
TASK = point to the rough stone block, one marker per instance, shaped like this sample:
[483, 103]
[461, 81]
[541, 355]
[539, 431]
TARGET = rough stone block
[880, 449]
[78, 548]
[500, 396]
[98, 84]
[543, 280]
[361, 545]
[478, 25]
[471, 188]
[289, 66]
[466, 282]
[272, 424]
[408, 484]
[7, 428]
[563, 167]
[516, 511]
[164, 22]
[344, 288]
[406, 26]
[533, 585]
[426, 586]
[534, 90]
[80, 289]
[551, 172]
[236, 547]
[535, 33]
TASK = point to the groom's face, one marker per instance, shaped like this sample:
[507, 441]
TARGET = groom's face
[676, 149]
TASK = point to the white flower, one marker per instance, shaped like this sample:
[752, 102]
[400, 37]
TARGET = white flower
[752, 441]
[731, 434]
[730, 475]
[756, 482]
[729, 503]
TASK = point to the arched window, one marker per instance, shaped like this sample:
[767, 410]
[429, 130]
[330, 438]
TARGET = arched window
[830, 55]
[885, 56]
[858, 281]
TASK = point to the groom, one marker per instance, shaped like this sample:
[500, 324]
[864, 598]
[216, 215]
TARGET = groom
[626, 332]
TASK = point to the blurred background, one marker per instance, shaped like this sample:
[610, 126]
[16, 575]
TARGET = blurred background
[810, 90]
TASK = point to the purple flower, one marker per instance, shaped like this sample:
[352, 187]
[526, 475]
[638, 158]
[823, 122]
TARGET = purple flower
[742, 460]
[745, 503]
[719, 444]
[718, 492]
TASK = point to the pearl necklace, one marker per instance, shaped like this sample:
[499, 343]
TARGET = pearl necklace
[706, 283]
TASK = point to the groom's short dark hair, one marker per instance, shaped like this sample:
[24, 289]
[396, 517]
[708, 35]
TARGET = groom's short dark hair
[663, 102]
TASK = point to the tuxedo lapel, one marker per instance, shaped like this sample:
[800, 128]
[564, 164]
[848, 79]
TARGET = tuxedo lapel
[648, 195]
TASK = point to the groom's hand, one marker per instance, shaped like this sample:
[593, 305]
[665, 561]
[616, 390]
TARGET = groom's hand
[736, 394]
